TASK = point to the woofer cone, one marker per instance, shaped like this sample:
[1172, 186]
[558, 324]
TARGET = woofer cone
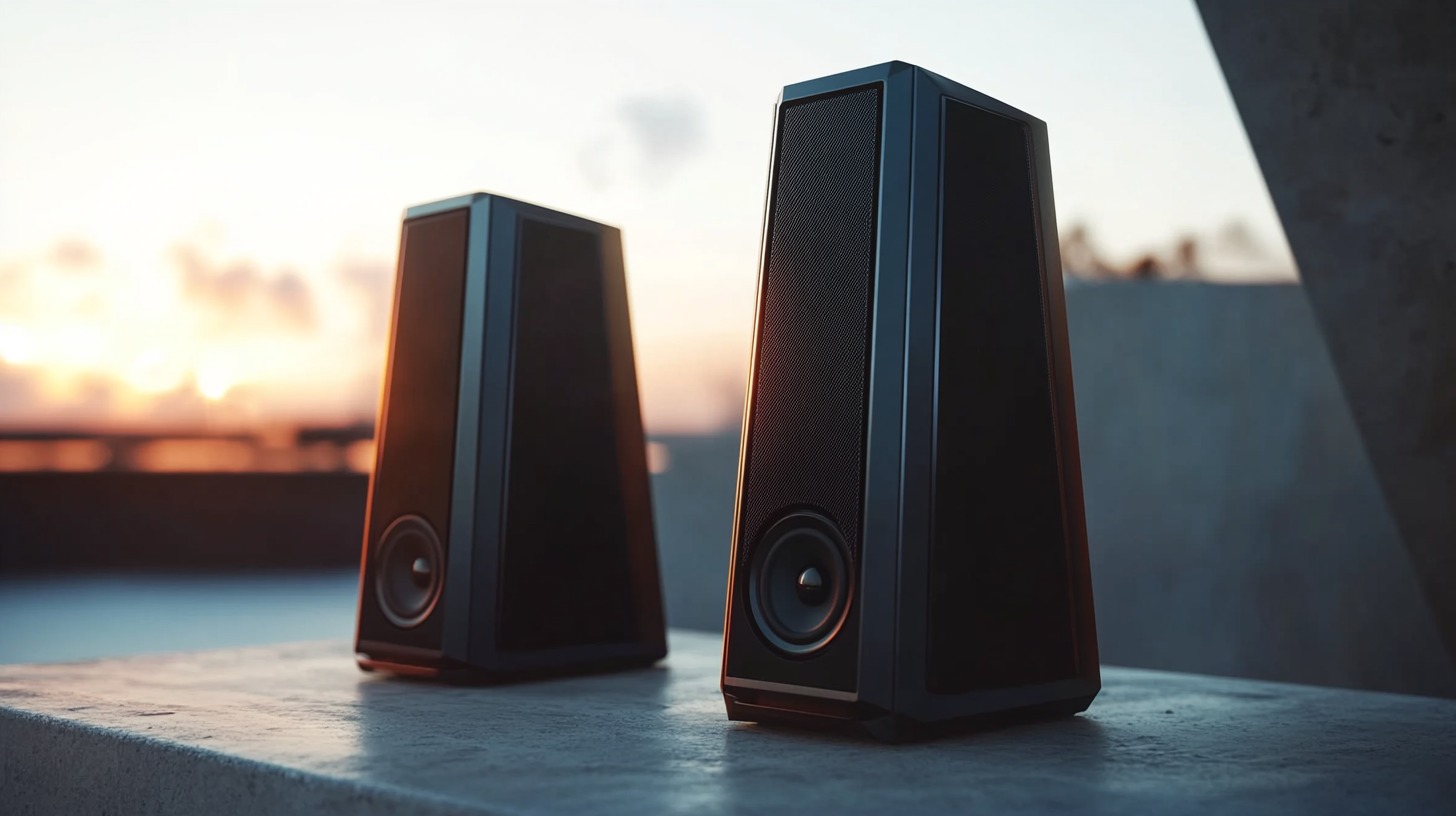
[799, 584]
[409, 571]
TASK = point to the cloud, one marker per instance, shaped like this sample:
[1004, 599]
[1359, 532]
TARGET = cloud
[98, 400]
[23, 280]
[652, 136]
[224, 319]
[19, 389]
[24, 401]
[240, 295]
[667, 130]
[75, 255]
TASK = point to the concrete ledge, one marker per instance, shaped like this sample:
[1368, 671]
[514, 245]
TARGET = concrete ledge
[298, 729]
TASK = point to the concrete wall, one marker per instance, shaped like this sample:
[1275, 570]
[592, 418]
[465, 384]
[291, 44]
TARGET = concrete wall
[1235, 523]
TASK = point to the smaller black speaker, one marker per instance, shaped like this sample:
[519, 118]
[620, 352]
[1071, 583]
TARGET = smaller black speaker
[509, 527]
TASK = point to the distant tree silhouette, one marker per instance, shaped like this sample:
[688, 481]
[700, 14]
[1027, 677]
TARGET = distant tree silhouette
[1145, 268]
[1082, 259]
[1185, 259]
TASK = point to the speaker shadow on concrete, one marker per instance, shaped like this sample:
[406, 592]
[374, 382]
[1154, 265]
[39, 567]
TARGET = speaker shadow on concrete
[1055, 760]
[661, 736]
[1079, 729]
[454, 739]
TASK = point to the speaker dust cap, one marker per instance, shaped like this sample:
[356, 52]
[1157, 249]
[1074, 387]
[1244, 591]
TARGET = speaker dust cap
[409, 571]
[799, 584]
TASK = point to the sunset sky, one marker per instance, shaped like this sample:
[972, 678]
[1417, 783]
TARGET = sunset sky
[199, 202]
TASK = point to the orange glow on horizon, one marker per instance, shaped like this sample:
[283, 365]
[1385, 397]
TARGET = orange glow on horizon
[226, 344]
[214, 383]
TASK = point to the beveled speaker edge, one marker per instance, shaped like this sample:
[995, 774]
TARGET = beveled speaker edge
[787, 688]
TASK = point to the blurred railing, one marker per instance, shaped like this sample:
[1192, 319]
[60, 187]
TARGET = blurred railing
[305, 449]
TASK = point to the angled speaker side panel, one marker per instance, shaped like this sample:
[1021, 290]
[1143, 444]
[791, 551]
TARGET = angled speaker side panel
[564, 564]
[1000, 611]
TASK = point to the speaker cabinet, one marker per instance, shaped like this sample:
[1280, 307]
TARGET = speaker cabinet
[509, 528]
[909, 548]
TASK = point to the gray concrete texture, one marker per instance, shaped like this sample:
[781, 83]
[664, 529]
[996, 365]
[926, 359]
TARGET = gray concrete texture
[1350, 106]
[1234, 522]
[298, 729]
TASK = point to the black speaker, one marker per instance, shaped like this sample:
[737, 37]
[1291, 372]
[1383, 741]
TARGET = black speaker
[509, 527]
[909, 548]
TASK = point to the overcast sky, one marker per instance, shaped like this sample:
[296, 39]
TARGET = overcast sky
[172, 174]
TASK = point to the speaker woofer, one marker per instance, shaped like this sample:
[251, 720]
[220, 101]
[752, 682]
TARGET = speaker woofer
[410, 572]
[799, 583]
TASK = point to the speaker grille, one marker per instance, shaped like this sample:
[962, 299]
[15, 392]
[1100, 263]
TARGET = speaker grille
[416, 460]
[565, 557]
[999, 613]
[807, 428]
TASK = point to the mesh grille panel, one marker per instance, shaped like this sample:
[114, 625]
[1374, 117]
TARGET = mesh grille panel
[566, 552]
[806, 444]
[999, 610]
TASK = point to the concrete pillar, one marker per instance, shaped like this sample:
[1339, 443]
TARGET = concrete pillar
[1350, 106]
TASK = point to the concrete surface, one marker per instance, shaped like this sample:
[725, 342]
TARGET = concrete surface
[298, 729]
[51, 618]
[1350, 106]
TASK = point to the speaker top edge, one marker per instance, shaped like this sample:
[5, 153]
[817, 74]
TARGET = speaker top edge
[885, 71]
[517, 206]
[460, 202]
[844, 80]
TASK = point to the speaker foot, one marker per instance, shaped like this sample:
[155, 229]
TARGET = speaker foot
[894, 729]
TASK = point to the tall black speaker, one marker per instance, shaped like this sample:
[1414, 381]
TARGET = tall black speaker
[509, 529]
[909, 548]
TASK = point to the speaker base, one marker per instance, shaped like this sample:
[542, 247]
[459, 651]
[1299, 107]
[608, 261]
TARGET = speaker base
[452, 672]
[863, 719]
